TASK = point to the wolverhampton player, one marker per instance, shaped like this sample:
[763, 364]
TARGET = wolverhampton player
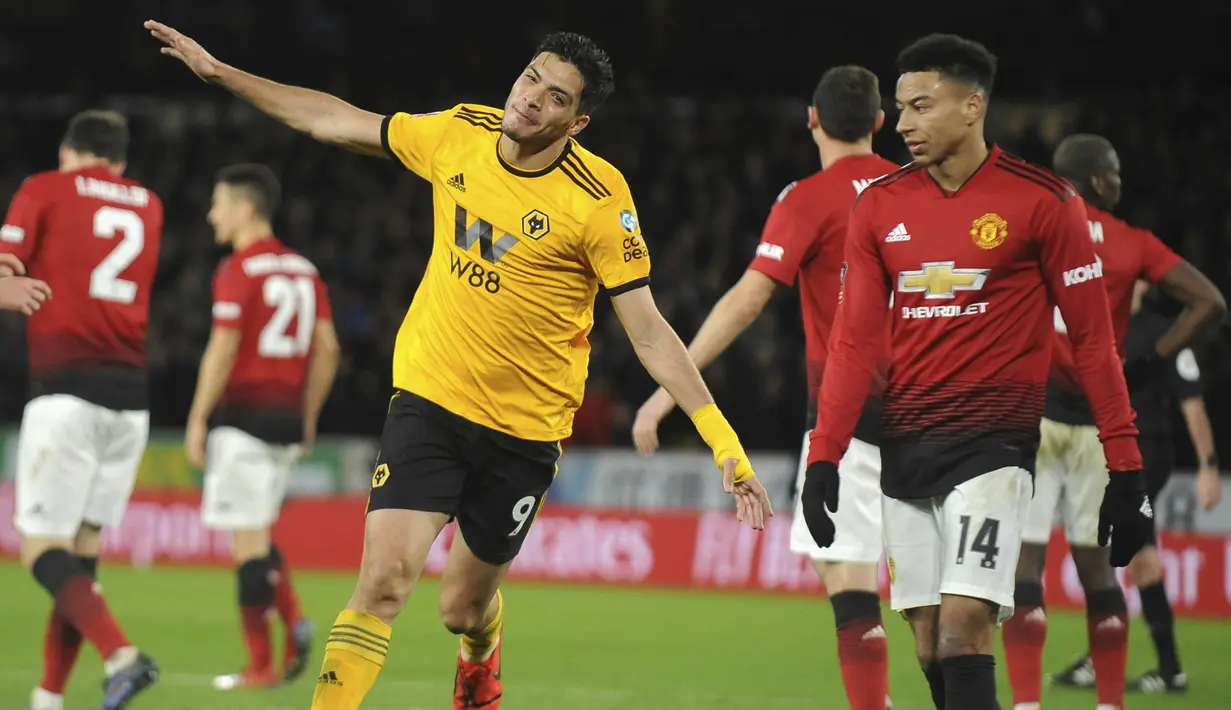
[491, 360]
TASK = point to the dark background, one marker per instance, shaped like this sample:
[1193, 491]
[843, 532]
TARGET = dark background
[707, 125]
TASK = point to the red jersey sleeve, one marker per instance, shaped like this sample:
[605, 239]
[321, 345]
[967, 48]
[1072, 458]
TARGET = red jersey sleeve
[857, 342]
[785, 241]
[1157, 258]
[324, 309]
[19, 233]
[1074, 278]
[230, 289]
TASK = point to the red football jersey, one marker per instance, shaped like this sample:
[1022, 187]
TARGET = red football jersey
[1126, 254]
[274, 297]
[973, 276]
[94, 238]
[805, 235]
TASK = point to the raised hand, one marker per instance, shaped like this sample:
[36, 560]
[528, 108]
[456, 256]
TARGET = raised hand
[185, 49]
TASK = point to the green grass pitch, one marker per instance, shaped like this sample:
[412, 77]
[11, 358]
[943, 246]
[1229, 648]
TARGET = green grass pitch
[565, 647]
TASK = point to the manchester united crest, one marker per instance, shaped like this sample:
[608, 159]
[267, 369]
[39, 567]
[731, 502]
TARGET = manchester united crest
[989, 231]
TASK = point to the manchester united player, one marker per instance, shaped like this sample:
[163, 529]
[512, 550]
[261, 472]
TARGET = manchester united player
[994, 243]
[266, 372]
[803, 237]
[1071, 470]
[93, 236]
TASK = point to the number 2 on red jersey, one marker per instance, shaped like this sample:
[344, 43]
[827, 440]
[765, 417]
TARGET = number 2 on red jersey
[105, 281]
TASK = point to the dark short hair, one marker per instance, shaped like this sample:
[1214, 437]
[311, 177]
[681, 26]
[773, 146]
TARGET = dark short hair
[847, 101]
[953, 57]
[256, 183]
[103, 134]
[1083, 156]
[597, 76]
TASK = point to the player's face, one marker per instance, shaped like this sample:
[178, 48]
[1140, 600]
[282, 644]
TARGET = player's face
[935, 114]
[224, 213]
[1108, 185]
[545, 102]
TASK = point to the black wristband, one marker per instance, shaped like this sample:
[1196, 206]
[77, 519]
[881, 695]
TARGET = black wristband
[1210, 461]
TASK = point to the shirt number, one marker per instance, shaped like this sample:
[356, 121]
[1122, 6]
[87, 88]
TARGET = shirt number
[292, 298]
[105, 281]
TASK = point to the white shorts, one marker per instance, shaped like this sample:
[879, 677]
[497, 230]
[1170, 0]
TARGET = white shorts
[963, 543]
[245, 480]
[1071, 474]
[76, 463]
[857, 523]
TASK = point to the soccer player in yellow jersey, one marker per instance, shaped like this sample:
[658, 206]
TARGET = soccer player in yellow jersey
[491, 360]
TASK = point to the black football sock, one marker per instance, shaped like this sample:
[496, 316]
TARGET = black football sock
[970, 682]
[936, 683]
[1156, 608]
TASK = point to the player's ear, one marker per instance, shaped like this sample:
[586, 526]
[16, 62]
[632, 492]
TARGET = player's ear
[879, 123]
[814, 121]
[1099, 184]
[976, 105]
[578, 123]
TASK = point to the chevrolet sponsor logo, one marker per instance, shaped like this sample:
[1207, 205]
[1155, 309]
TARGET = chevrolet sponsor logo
[941, 279]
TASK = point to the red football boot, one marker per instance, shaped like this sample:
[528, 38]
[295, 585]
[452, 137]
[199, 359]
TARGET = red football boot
[478, 685]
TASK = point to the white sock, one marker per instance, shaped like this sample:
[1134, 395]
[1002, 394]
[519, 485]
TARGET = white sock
[121, 659]
[1026, 706]
[45, 700]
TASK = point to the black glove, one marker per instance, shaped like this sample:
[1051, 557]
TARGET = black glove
[820, 492]
[1125, 517]
[1139, 368]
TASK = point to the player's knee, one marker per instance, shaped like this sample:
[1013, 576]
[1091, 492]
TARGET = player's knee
[54, 568]
[89, 540]
[1030, 562]
[839, 577]
[923, 627]
[967, 627]
[1094, 568]
[33, 549]
[255, 587]
[1146, 568]
[462, 614]
[386, 580]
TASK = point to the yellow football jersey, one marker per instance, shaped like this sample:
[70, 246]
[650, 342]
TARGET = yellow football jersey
[497, 332]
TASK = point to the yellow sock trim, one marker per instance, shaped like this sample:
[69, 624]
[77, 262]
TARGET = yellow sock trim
[479, 646]
[361, 634]
[354, 656]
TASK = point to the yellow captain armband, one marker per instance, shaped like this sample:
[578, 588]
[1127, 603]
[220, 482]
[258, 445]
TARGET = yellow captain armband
[721, 438]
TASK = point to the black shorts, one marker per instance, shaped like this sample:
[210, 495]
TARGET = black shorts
[435, 461]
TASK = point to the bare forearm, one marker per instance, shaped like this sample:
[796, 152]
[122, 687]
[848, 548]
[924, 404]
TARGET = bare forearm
[1199, 429]
[321, 373]
[731, 317]
[1191, 322]
[211, 381]
[322, 116]
[666, 359]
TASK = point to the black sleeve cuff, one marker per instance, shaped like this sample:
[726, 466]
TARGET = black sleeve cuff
[630, 286]
[384, 140]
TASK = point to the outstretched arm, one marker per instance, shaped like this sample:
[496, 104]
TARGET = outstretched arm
[326, 118]
[666, 359]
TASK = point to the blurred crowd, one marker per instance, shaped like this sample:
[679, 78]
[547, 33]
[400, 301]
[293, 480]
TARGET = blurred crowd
[704, 171]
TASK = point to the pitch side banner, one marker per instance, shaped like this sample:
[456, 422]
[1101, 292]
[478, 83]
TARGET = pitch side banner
[692, 550]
